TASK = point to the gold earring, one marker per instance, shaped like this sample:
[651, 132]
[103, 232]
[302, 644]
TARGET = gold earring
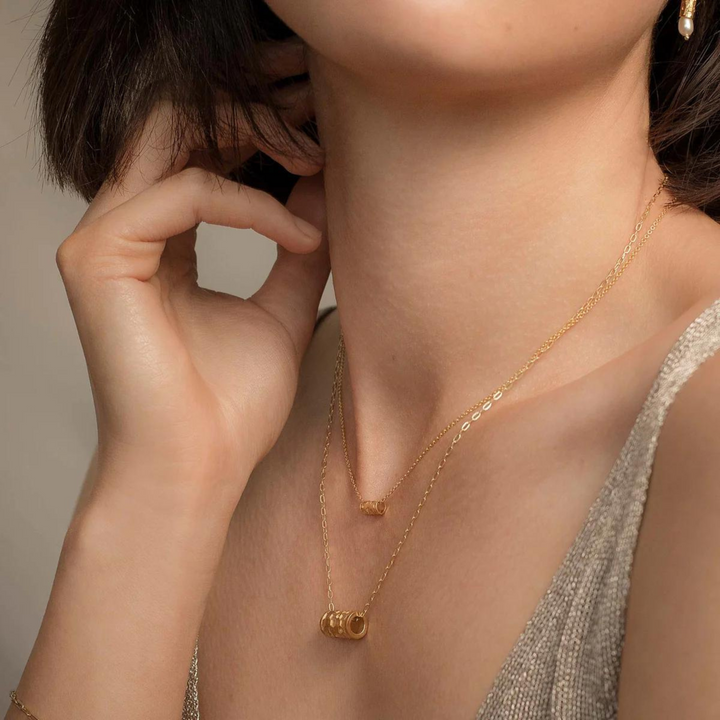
[685, 22]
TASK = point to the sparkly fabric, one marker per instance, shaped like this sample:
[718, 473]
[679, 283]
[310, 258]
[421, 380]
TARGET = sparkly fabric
[566, 663]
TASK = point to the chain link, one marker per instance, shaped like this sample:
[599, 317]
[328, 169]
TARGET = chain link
[630, 251]
[20, 706]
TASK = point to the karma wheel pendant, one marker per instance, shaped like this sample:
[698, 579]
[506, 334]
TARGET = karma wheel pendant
[348, 624]
[373, 507]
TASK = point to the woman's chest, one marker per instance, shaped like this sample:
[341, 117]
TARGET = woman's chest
[471, 572]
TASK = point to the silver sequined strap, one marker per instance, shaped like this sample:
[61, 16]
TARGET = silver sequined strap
[191, 708]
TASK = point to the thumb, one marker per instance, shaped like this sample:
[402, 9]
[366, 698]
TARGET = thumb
[294, 286]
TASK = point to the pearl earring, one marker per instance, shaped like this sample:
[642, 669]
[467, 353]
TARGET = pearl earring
[687, 13]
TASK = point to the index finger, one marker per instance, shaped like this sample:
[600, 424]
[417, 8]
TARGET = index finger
[149, 160]
[152, 153]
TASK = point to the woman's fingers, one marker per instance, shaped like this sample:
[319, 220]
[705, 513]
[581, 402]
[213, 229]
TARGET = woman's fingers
[146, 160]
[289, 146]
[303, 156]
[128, 241]
[155, 154]
[292, 290]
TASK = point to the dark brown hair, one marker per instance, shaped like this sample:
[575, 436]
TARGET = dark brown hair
[103, 64]
[101, 67]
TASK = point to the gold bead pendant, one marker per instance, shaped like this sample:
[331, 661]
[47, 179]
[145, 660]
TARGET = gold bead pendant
[373, 507]
[348, 624]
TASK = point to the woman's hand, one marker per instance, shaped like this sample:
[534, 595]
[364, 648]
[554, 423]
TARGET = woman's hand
[194, 381]
[191, 388]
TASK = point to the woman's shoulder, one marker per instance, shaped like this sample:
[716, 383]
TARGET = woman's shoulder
[671, 658]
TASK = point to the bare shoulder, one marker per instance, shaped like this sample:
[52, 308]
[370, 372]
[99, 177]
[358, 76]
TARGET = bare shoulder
[671, 660]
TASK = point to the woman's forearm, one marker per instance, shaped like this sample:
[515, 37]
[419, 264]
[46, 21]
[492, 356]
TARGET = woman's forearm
[126, 606]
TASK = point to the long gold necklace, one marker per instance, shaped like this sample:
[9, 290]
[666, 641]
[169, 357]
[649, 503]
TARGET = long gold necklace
[353, 624]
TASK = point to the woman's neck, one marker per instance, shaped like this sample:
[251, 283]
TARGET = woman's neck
[463, 233]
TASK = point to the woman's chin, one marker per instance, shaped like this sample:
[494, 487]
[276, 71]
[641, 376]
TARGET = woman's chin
[449, 47]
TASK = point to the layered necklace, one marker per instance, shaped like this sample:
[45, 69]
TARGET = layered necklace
[353, 624]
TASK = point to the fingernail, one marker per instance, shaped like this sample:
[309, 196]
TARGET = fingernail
[315, 234]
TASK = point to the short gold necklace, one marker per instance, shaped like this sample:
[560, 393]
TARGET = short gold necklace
[379, 507]
[353, 624]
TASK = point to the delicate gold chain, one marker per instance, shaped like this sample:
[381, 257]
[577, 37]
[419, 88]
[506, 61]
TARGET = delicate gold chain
[629, 253]
[19, 705]
[610, 279]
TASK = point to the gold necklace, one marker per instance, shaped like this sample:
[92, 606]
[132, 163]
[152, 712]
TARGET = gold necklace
[379, 507]
[353, 624]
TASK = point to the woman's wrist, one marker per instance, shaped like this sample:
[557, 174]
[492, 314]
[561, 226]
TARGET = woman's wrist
[204, 481]
[128, 598]
[131, 498]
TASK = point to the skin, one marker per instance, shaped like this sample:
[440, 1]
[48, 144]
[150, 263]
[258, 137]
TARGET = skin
[502, 145]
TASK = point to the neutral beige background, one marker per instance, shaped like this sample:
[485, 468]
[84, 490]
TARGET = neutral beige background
[46, 417]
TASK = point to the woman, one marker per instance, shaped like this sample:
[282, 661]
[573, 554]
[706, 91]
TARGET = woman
[484, 165]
